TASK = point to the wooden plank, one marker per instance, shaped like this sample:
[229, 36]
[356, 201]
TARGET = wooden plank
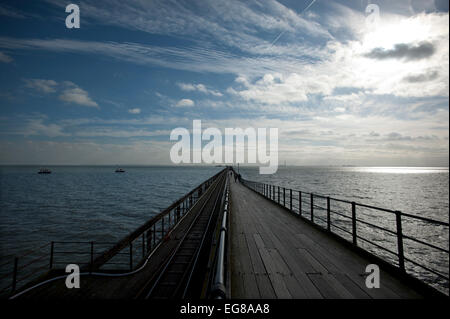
[258, 265]
[244, 255]
[296, 290]
[237, 287]
[276, 279]
[351, 264]
[265, 286]
[351, 286]
[331, 281]
[325, 289]
[250, 286]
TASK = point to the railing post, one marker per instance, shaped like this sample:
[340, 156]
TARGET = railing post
[162, 227]
[401, 256]
[178, 213]
[154, 235]
[328, 214]
[170, 219]
[14, 282]
[312, 207]
[300, 203]
[284, 197]
[52, 245]
[149, 241]
[131, 255]
[278, 194]
[290, 201]
[354, 223]
[274, 194]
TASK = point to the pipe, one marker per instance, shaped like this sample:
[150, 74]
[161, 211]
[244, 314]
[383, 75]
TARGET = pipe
[219, 289]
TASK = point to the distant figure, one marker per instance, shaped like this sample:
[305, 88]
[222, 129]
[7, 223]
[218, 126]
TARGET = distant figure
[235, 177]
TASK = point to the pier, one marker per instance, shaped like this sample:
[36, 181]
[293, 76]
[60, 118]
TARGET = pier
[238, 239]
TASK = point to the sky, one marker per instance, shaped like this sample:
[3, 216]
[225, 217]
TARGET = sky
[342, 87]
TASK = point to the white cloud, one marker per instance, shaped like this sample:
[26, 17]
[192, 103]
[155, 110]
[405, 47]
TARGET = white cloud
[5, 58]
[185, 103]
[346, 64]
[120, 133]
[41, 85]
[74, 94]
[198, 87]
[69, 91]
[231, 23]
[134, 111]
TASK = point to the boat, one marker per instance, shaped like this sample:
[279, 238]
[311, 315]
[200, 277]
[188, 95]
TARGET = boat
[44, 171]
[120, 170]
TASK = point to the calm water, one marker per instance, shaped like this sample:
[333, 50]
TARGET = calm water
[94, 203]
[86, 203]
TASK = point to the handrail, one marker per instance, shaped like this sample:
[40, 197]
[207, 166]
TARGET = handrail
[278, 194]
[219, 287]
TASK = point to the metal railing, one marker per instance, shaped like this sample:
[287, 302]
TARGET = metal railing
[219, 289]
[125, 255]
[330, 214]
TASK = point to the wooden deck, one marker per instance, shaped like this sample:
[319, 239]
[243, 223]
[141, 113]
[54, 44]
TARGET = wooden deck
[275, 254]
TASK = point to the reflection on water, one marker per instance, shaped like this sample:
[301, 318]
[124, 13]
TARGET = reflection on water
[401, 170]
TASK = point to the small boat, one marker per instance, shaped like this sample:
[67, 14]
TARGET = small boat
[44, 171]
[120, 170]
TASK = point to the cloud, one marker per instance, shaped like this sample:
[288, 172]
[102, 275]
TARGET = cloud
[185, 103]
[85, 152]
[424, 77]
[134, 111]
[69, 91]
[36, 126]
[41, 85]
[233, 24]
[408, 52]
[121, 133]
[74, 94]
[9, 12]
[199, 88]
[5, 58]
[340, 109]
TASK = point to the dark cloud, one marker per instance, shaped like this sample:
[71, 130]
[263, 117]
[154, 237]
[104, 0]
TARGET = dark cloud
[405, 51]
[441, 5]
[425, 77]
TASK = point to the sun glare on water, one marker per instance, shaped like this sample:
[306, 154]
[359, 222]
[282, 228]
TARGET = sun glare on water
[403, 170]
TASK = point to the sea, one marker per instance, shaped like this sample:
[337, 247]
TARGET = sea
[93, 203]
